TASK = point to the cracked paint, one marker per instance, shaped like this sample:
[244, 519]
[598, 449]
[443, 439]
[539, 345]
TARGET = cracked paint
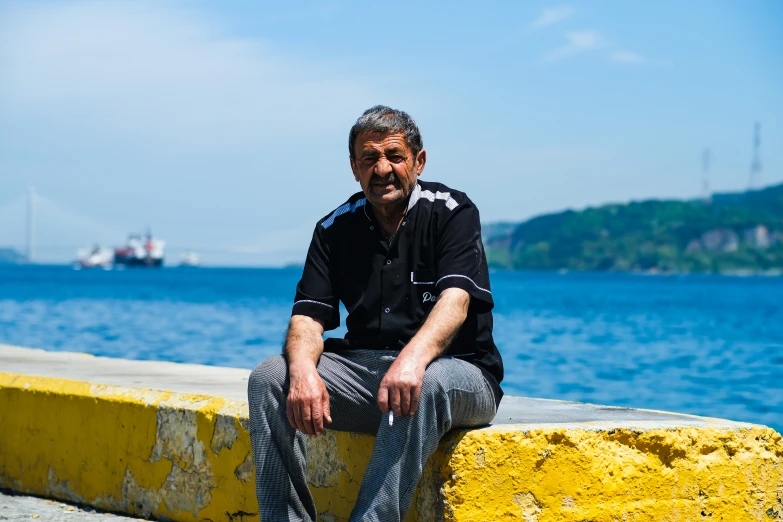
[323, 463]
[143, 395]
[225, 434]
[244, 472]
[327, 516]
[61, 488]
[188, 488]
[530, 506]
[428, 504]
[176, 437]
[136, 499]
[188, 491]
[480, 457]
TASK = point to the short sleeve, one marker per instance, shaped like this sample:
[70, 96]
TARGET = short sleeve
[462, 262]
[314, 294]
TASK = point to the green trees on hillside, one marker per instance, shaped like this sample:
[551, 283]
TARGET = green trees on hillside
[732, 232]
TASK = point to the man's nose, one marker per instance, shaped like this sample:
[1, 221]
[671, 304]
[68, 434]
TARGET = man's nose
[383, 167]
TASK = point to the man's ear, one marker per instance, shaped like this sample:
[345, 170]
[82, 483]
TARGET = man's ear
[353, 169]
[421, 159]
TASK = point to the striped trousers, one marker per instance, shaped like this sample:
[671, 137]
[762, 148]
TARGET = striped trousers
[454, 394]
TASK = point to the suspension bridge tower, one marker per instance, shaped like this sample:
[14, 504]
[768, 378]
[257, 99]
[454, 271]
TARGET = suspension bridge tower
[30, 224]
[706, 195]
[754, 180]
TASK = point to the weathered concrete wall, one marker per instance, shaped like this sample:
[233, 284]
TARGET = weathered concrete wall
[152, 453]
[137, 451]
[187, 457]
[617, 475]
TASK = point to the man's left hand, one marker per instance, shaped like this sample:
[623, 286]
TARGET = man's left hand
[401, 386]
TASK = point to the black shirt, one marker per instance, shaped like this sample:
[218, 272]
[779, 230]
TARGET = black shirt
[389, 289]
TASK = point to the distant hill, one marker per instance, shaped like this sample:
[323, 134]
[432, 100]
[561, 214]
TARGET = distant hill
[11, 256]
[732, 232]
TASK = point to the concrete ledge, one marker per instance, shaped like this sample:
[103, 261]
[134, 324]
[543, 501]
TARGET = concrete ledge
[133, 437]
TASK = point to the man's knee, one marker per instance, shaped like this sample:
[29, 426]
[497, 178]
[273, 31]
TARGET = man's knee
[435, 383]
[268, 379]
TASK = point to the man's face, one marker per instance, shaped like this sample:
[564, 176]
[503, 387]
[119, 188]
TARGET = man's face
[385, 167]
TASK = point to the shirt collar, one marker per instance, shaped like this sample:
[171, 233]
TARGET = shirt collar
[414, 198]
[415, 195]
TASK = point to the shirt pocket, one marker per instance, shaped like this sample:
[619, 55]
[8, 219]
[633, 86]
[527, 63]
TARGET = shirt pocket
[423, 283]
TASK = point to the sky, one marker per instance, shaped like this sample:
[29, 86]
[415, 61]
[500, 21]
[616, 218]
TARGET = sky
[223, 125]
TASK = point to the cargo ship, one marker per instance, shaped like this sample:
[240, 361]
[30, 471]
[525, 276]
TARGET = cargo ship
[144, 252]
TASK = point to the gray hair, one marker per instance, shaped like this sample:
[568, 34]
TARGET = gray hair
[385, 119]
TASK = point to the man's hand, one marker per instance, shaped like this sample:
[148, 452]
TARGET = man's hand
[401, 386]
[307, 406]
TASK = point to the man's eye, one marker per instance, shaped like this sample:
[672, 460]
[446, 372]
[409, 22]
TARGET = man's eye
[368, 161]
[396, 158]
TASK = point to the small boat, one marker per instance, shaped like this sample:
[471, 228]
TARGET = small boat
[189, 259]
[95, 257]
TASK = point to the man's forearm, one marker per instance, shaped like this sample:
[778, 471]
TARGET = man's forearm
[307, 405]
[400, 388]
[440, 328]
[304, 342]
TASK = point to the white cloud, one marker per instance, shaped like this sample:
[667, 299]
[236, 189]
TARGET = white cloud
[576, 42]
[627, 57]
[144, 69]
[551, 16]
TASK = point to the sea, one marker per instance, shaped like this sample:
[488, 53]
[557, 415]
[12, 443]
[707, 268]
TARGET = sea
[701, 344]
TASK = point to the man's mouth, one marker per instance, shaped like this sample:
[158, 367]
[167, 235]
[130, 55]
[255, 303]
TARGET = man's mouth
[391, 181]
[387, 185]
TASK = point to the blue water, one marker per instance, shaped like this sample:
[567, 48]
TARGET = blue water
[707, 345]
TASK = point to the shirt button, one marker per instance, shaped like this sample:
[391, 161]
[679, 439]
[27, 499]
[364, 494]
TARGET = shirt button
[388, 310]
[372, 228]
[388, 261]
[403, 223]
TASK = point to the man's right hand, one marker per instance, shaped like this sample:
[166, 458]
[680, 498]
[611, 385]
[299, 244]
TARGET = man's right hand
[307, 406]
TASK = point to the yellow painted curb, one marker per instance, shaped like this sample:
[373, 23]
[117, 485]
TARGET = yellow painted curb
[187, 457]
[137, 451]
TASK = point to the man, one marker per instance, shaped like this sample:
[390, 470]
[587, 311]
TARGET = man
[406, 259]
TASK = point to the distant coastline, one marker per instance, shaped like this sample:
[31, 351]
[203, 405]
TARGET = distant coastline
[9, 256]
[733, 234]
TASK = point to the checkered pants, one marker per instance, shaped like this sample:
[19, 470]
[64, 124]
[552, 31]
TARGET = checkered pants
[454, 394]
